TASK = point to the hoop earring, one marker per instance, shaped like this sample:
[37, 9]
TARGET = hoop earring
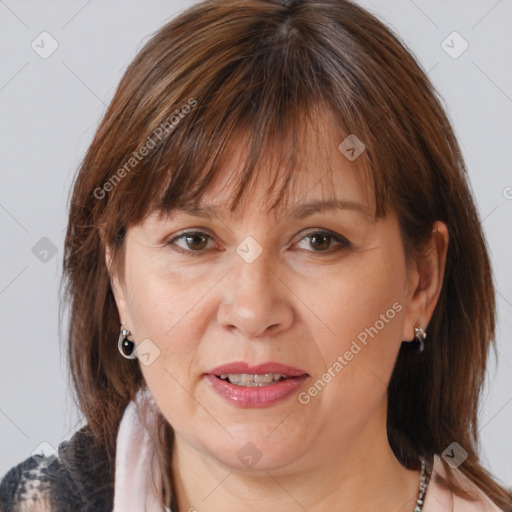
[420, 335]
[126, 347]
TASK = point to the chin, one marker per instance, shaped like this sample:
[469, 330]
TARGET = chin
[253, 454]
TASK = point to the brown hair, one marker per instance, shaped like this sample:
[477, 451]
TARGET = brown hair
[265, 67]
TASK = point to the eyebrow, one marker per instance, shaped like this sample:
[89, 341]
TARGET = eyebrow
[302, 211]
[298, 212]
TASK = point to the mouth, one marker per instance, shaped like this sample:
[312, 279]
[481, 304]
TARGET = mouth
[241, 373]
[255, 386]
[253, 380]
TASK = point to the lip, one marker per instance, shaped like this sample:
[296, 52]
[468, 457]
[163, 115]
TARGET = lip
[261, 369]
[261, 396]
[264, 396]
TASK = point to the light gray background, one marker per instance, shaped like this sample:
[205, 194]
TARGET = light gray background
[50, 108]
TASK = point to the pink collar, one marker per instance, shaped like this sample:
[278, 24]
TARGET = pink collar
[135, 464]
[439, 499]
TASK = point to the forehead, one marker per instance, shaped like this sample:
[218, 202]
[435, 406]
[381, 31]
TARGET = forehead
[320, 173]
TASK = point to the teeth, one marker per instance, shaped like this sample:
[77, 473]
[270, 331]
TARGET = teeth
[248, 380]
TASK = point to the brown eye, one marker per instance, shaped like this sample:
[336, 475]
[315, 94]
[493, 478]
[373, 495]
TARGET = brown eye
[195, 242]
[321, 241]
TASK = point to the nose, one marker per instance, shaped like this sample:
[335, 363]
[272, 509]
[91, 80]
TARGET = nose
[256, 301]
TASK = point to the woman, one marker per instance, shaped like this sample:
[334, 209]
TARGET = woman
[280, 291]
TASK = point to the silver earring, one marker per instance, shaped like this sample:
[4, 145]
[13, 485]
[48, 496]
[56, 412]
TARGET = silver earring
[420, 335]
[126, 347]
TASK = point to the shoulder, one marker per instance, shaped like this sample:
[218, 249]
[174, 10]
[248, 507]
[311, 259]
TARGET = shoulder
[78, 478]
[25, 488]
[439, 499]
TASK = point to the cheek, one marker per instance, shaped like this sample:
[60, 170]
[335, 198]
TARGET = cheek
[361, 306]
[163, 310]
[161, 302]
[357, 300]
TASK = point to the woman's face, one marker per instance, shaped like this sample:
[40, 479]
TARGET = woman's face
[258, 289]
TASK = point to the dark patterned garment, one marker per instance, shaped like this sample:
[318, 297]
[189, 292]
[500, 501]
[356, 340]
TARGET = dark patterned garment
[79, 479]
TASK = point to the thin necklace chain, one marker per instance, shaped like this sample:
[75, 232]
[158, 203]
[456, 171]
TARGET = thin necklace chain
[424, 480]
[426, 471]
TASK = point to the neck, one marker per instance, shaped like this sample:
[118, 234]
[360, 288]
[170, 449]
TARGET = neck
[365, 475]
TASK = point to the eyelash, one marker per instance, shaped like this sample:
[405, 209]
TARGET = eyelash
[344, 243]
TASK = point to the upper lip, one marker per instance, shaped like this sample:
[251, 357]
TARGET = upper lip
[239, 367]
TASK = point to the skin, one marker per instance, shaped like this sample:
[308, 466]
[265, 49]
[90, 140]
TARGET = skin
[296, 305]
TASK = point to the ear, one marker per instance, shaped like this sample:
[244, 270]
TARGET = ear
[119, 292]
[426, 281]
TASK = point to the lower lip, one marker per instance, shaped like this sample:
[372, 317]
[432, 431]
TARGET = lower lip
[258, 396]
